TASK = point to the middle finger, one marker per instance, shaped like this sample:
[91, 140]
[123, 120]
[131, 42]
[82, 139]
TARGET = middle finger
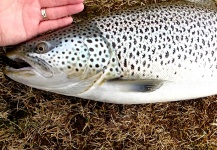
[55, 3]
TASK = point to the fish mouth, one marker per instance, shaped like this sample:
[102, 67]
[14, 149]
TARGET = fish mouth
[23, 65]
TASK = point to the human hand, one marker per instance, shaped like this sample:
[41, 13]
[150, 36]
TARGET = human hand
[21, 20]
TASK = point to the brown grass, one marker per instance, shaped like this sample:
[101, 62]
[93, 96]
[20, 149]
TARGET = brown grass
[34, 119]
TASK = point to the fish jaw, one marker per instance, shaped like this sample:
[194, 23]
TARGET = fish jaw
[31, 77]
[32, 74]
[27, 75]
[37, 67]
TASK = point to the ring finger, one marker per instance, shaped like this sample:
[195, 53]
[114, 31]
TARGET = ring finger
[62, 11]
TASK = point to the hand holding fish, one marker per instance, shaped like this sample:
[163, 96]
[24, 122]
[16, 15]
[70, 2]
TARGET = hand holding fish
[21, 20]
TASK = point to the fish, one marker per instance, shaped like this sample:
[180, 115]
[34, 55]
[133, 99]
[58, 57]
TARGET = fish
[155, 53]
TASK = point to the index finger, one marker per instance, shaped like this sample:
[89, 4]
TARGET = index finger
[54, 3]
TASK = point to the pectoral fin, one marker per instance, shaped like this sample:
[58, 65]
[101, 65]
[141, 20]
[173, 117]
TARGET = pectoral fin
[77, 85]
[131, 85]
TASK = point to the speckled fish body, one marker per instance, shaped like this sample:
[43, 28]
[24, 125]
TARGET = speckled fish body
[155, 53]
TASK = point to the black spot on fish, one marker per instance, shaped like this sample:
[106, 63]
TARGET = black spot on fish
[125, 63]
[107, 36]
[89, 41]
[119, 55]
[137, 53]
[101, 44]
[118, 40]
[212, 53]
[167, 54]
[103, 59]
[125, 37]
[113, 44]
[131, 55]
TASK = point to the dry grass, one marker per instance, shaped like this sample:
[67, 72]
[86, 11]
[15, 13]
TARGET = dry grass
[34, 119]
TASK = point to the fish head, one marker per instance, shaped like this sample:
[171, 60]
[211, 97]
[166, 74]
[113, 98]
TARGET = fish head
[53, 62]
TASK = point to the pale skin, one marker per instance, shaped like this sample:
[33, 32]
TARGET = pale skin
[21, 20]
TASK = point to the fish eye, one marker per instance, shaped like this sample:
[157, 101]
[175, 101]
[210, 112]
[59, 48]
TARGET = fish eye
[41, 48]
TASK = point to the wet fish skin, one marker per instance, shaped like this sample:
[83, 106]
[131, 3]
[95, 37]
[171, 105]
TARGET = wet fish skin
[149, 54]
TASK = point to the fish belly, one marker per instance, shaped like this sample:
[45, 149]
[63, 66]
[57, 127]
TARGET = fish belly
[169, 91]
